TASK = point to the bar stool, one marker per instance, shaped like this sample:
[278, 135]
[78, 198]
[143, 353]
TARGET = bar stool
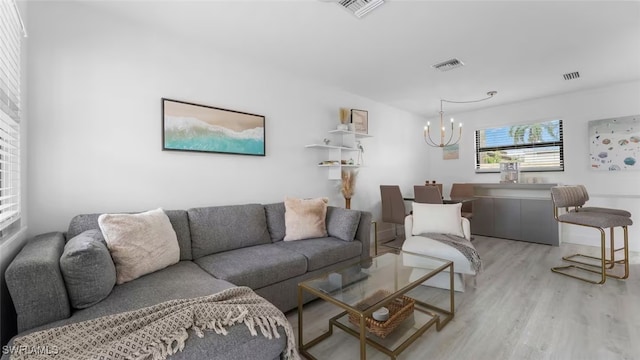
[620, 212]
[574, 196]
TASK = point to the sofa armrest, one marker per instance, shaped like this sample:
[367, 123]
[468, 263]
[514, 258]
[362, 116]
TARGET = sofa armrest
[364, 234]
[35, 282]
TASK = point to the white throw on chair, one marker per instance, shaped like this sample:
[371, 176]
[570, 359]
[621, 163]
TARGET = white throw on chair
[438, 219]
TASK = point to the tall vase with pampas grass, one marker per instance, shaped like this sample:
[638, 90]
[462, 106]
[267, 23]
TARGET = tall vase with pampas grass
[348, 186]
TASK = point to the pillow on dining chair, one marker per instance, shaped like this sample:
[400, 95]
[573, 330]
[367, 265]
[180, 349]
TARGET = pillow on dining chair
[437, 218]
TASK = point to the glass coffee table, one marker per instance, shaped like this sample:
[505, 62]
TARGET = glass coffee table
[384, 281]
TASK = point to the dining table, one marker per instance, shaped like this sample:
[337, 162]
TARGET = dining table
[447, 201]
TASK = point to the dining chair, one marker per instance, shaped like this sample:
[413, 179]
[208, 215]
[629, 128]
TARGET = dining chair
[427, 183]
[459, 191]
[393, 209]
[427, 194]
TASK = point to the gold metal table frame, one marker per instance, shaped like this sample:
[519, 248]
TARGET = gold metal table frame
[439, 316]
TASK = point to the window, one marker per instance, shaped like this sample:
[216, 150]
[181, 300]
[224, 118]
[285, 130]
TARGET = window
[10, 42]
[536, 146]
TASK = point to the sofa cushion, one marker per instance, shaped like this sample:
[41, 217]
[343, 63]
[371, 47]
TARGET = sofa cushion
[342, 223]
[224, 228]
[323, 251]
[305, 218]
[88, 271]
[169, 284]
[139, 243]
[151, 289]
[178, 218]
[255, 266]
[275, 221]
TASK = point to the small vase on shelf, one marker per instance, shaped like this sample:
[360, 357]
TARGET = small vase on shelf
[347, 203]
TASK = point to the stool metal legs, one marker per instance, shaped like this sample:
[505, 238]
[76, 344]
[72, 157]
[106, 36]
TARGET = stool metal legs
[604, 262]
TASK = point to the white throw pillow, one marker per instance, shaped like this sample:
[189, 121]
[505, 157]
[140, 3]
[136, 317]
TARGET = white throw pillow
[305, 218]
[437, 218]
[139, 243]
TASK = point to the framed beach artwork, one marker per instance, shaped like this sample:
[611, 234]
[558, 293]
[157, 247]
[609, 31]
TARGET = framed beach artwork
[360, 121]
[614, 144]
[201, 128]
[451, 152]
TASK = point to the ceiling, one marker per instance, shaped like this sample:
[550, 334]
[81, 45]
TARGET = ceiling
[519, 48]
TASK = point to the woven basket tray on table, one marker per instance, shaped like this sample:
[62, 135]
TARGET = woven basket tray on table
[399, 310]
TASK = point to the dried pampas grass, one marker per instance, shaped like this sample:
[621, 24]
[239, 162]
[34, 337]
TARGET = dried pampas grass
[348, 184]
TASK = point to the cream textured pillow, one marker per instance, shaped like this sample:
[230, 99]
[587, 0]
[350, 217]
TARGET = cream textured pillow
[437, 218]
[305, 218]
[139, 243]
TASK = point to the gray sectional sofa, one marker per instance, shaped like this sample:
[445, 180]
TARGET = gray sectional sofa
[220, 247]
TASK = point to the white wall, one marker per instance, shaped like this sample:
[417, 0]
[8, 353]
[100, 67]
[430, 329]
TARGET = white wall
[609, 189]
[95, 124]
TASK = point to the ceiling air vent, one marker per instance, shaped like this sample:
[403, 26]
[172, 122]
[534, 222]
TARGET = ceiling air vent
[448, 65]
[360, 8]
[571, 76]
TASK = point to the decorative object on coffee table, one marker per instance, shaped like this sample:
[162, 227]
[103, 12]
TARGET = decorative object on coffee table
[399, 309]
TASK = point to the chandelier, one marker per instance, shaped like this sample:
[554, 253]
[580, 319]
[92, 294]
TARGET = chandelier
[443, 131]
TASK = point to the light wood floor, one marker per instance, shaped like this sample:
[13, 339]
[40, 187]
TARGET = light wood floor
[517, 309]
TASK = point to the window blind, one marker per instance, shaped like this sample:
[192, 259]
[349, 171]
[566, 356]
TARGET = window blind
[536, 146]
[10, 42]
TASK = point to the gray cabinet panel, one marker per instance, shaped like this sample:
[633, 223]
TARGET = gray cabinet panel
[515, 211]
[506, 213]
[482, 220]
[518, 219]
[538, 224]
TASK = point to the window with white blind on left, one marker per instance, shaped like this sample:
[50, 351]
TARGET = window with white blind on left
[11, 33]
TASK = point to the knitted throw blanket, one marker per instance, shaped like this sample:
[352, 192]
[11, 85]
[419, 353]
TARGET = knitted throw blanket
[158, 331]
[461, 244]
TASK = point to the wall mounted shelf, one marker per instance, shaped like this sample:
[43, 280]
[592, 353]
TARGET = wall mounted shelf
[344, 151]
